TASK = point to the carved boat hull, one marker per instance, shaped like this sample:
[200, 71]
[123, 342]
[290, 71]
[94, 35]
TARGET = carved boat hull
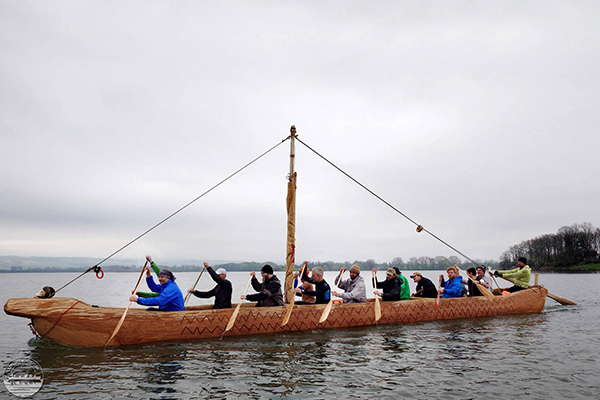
[72, 322]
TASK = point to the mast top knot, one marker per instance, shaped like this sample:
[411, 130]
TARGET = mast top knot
[293, 130]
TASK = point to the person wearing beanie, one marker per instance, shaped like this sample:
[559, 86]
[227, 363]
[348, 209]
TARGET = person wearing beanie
[269, 291]
[222, 291]
[391, 286]
[425, 288]
[169, 295]
[354, 287]
[521, 275]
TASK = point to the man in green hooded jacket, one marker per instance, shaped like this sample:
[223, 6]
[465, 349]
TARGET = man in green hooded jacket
[404, 288]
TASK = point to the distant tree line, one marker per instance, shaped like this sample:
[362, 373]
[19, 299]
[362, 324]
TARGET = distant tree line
[572, 245]
[413, 264]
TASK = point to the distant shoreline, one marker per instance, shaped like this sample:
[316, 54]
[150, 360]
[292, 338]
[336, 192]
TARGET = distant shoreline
[580, 269]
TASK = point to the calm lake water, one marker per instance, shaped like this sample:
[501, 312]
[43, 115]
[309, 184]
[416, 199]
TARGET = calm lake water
[552, 355]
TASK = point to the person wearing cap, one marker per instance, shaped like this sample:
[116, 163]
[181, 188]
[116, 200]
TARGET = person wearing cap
[391, 285]
[404, 288]
[425, 288]
[482, 278]
[169, 295]
[521, 275]
[322, 292]
[354, 287]
[472, 288]
[453, 286]
[222, 291]
[269, 291]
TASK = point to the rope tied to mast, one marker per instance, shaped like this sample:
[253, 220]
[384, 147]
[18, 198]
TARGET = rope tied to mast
[420, 227]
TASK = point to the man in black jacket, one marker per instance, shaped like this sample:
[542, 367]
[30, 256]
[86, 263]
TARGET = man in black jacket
[391, 285]
[269, 291]
[222, 291]
[425, 288]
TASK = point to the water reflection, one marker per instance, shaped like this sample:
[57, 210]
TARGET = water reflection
[162, 376]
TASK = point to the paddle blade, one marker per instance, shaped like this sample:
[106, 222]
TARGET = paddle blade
[118, 325]
[561, 300]
[237, 310]
[377, 309]
[288, 312]
[484, 291]
[233, 317]
[326, 311]
[437, 302]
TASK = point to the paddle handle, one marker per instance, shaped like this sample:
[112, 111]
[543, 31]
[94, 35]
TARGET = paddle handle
[187, 296]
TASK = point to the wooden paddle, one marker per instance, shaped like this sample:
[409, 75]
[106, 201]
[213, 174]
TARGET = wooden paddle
[377, 300]
[137, 286]
[493, 277]
[484, 291]
[439, 296]
[187, 296]
[327, 309]
[288, 312]
[237, 310]
[561, 300]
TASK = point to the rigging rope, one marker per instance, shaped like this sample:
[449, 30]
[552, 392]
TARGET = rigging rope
[97, 268]
[419, 227]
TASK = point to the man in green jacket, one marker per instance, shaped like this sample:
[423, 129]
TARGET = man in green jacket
[521, 275]
[404, 288]
[156, 270]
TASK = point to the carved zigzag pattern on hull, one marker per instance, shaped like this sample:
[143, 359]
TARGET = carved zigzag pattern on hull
[203, 319]
[303, 317]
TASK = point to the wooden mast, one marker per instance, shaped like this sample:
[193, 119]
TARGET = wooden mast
[291, 222]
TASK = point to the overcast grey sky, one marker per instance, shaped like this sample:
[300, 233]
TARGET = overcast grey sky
[476, 119]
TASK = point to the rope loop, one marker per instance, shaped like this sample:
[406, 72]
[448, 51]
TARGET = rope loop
[99, 272]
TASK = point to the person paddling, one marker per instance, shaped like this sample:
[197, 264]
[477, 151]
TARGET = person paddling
[156, 270]
[425, 288]
[169, 295]
[322, 292]
[522, 275]
[391, 285]
[354, 287]
[221, 292]
[453, 286]
[269, 291]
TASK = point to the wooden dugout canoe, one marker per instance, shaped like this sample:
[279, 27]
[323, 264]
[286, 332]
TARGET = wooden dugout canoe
[72, 322]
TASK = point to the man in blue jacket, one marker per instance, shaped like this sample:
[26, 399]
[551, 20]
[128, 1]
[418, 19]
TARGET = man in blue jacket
[453, 286]
[169, 295]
